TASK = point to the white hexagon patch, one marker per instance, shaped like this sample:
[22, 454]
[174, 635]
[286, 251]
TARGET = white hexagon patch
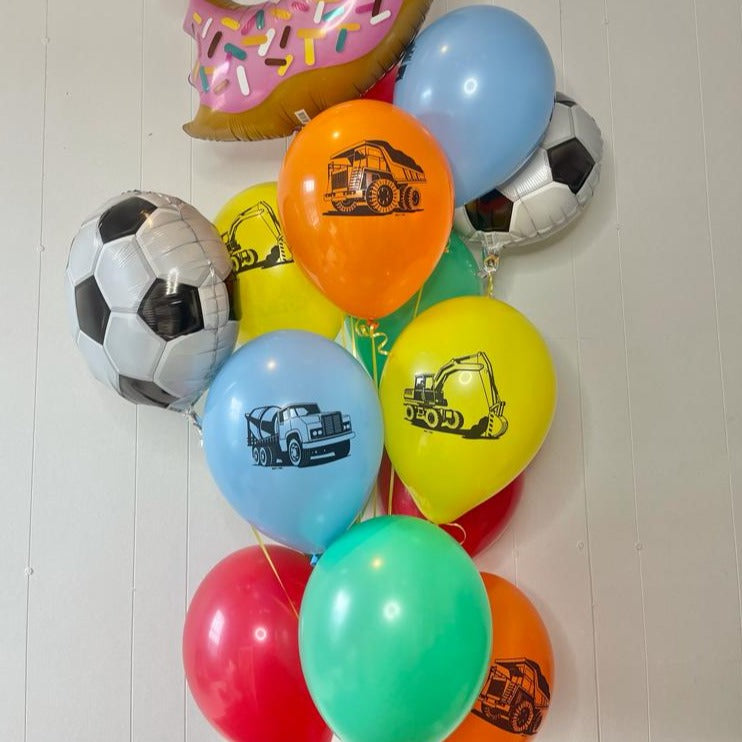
[123, 274]
[132, 347]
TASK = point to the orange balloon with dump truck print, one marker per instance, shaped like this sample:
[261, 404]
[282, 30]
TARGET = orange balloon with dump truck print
[517, 690]
[366, 201]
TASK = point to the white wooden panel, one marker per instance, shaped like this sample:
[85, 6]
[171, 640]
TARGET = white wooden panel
[720, 61]
[550, 531]
[160, 544]
[552, 562]
[626, 538]
[214, 531]
[20, 213]
[220, 171]
[609, 476]
[83, 519]
[688, 559]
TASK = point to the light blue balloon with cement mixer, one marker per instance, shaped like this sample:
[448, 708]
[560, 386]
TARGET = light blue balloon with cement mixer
[293, 436]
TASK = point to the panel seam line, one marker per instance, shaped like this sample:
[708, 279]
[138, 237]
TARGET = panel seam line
[626, 367]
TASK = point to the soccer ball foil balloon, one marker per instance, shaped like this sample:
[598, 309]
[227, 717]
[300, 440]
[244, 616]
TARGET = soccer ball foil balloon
[547, 193]
[149, 292]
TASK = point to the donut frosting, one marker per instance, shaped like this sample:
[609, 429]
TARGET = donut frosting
[245, 52]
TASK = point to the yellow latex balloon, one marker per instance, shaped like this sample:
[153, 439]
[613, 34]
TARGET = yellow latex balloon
[272, 293]
[468, 394]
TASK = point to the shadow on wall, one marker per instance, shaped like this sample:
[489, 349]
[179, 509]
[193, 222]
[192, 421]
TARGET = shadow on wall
[554, 481]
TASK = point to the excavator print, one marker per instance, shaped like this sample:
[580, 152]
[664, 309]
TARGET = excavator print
[427, 406]
[515, 696]
[246, 258]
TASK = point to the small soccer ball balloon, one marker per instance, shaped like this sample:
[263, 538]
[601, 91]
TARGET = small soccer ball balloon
[148, 285]
[548, 192]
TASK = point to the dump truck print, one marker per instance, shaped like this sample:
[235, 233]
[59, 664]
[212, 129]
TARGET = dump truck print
[427, 406]
[262, 217]
[373, 178]
[297, 435]
[515, 696]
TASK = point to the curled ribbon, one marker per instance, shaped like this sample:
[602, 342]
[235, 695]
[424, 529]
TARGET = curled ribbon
[370, 330]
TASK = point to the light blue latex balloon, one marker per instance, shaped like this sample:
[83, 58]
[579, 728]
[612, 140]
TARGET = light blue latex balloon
[293, 436]
[481, 81]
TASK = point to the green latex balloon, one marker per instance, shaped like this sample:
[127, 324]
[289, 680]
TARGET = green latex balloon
[455, 275]
[394, 632]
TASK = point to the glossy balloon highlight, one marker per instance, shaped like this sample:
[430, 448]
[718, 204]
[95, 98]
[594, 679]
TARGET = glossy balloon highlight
[516, 695]
[266, 69]
[549, 192]
[395, 632]
[457, 274]
[241, 653]
[468, 394]
[482, 81]
[293, 436]
[475, 530]
[271, 291]
[366, 202]
[149, 296]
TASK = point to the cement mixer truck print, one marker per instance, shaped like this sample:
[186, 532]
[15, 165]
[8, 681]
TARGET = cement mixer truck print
[297, 435]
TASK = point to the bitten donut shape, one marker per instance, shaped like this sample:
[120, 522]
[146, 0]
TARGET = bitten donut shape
[264, 70]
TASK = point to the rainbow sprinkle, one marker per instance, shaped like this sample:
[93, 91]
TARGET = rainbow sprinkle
[289, 60]
[254, 40]
[235, 51]
[381, 17]
[204, 79]
[242, 80]
[334, 13]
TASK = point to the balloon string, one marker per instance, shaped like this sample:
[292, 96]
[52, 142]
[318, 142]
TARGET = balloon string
[490, 265]
[417, 303]
[391, 489]
[267, 555]
[372, 334]
[342, 333]
[352, 335]
[460, 527]
[195, 420]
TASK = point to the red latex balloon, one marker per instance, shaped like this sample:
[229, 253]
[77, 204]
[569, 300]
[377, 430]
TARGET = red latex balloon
[383, 90]
[241, 649]
[476, 529]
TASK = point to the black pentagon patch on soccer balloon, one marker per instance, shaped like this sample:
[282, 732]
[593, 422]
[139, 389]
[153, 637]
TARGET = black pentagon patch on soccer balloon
[171, 309]
[92, 310]
[124, 218]
[144, 392]
[571, 164]
[491, 212]
[230, 282]
[565, 100]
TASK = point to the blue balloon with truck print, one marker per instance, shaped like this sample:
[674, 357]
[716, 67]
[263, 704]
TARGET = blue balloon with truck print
[293, 436]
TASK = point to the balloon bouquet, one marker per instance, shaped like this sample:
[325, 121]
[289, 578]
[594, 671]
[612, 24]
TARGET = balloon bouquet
[441, 392]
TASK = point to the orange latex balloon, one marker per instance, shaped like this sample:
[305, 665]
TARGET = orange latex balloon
[366, 201]
[516, 694]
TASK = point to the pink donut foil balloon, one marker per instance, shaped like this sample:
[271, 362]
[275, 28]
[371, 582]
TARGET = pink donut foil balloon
[264, 70]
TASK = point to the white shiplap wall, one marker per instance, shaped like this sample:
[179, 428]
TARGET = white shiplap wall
[627, 536]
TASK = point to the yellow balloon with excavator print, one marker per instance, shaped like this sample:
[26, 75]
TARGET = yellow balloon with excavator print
[271, 292]
[468, 393]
